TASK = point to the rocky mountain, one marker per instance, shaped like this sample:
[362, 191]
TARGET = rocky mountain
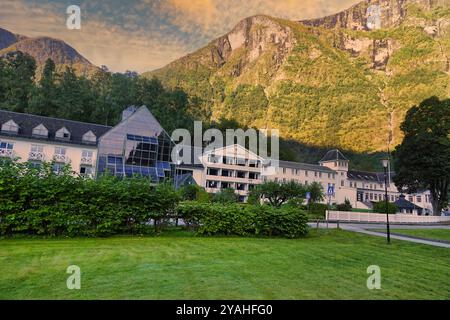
[43, 48]
[336, 81]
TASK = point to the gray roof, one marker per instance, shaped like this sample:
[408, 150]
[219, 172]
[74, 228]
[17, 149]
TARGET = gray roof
[333, 155]
[305, 166]
[377, 177]
[27, 122]
[402, 203]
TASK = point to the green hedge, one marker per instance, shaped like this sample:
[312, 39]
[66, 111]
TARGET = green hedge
[380, 207]
[40, 202]
[243, 220]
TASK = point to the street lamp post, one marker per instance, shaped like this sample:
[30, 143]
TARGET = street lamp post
[385, 164]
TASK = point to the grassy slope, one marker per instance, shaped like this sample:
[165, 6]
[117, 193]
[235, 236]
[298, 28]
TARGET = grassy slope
[329, 265]
[321, 95]
[432, 234]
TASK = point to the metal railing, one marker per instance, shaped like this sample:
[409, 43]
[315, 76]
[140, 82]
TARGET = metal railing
[39, 156]
[7, 153]
[62, 158]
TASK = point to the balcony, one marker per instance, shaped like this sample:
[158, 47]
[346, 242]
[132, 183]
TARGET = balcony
[61, 158]
[6, 153]
[87, 161]
[36, 156]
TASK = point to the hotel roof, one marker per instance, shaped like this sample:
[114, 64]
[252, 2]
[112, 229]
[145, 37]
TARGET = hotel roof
[333, 155]
[27, 122]
[305, 166]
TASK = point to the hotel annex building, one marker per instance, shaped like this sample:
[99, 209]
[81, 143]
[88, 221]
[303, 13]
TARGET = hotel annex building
[139, 145]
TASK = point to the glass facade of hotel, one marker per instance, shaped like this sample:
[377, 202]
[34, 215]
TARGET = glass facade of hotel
[137, 146]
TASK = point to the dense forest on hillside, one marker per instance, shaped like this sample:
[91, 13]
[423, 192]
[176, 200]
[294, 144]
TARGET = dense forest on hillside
[102, 98]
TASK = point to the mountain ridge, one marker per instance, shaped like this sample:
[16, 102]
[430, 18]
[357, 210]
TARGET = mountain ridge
[43, 48]
[322, 86]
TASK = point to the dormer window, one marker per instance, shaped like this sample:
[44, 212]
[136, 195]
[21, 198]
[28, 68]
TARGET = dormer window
[63, 134]
[89, 137]
[10, 127]
[40, 131]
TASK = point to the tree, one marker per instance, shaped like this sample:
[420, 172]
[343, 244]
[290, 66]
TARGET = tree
[278, 194]
[316, 190]
[225, 196]
[43, 99]
[17, 81]
[422, 161]
[346, 206]
[380, 207]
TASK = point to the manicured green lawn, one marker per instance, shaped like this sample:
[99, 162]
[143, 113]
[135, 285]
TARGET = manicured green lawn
[432, 234]
[325, 265]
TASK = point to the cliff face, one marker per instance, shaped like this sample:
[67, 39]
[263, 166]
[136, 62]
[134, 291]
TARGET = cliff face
[392, 14]
[324, 82]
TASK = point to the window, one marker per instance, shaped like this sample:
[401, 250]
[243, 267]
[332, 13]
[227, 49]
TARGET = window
[58, 167]
[306, 173]
[320, 174]
[227, 173]
[40, 131]
[89, 137]
[212, 184]
[36, 152]
[240, 186]
[241, 174]
[86, 171]
[63, 133]
[284, 170]
[6, 149]
[419, 198]
[315, 174]
[10, 127]
[34, 164]
[60, 151]
[342, 183]
[87, 154]
[6, 146]
[410, 198]
[306, 182]
[213, 172]
[37, 148]
[253, 176]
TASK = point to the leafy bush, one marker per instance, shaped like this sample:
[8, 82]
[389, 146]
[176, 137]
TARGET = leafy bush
[317, 210]
[380, 207]
[242, 220]
[225, 196]
[346, 206]
[40, 202]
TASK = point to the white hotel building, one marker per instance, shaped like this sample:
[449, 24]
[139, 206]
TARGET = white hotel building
[139, 145]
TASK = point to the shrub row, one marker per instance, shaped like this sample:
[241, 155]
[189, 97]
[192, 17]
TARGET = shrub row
[243, 220]
[40, 202]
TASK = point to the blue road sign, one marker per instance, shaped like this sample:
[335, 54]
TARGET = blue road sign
[330, 190]
[308, 196]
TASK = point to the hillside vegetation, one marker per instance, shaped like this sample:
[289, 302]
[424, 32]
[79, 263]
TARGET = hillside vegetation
[321, 86]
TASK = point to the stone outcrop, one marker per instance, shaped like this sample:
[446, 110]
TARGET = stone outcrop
[392, 12]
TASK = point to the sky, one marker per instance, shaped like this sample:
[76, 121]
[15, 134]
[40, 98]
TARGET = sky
[143, 35]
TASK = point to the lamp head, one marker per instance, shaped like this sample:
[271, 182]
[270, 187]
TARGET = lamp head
[385, 163]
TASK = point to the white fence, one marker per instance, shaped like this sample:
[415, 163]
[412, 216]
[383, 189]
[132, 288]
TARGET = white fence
[376, 217]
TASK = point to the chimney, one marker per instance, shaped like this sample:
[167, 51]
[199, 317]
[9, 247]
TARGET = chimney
[128, 112]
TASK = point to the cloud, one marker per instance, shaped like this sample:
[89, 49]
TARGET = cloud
[215, 17]
[99, 41]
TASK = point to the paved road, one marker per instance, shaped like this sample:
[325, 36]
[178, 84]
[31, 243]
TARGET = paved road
[368, 229]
